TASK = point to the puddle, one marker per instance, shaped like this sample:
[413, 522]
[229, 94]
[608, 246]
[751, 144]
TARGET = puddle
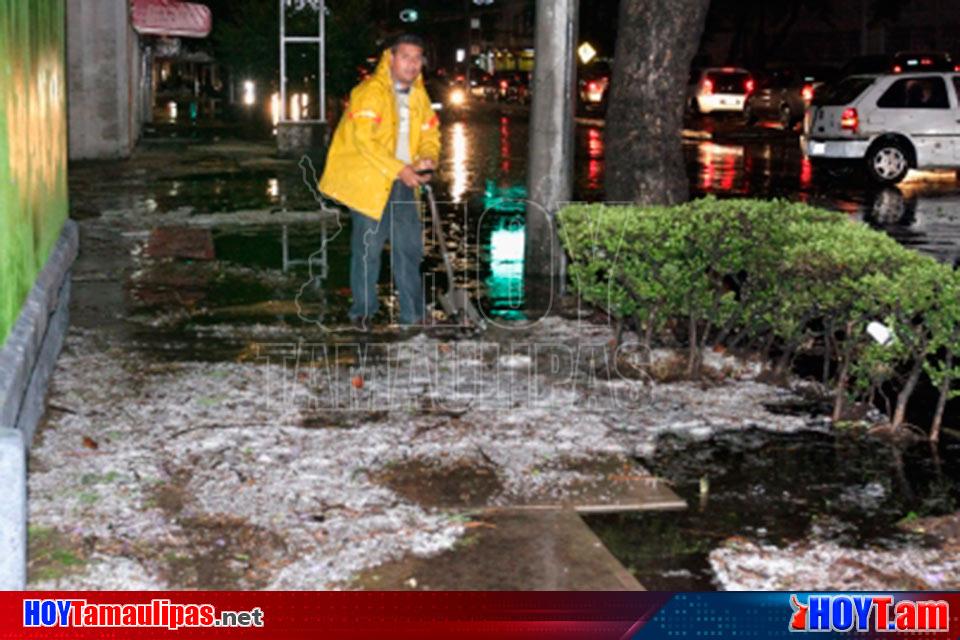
[775, 489]
[233, 191]
[208, 551]
[221, 553]
[456, 483]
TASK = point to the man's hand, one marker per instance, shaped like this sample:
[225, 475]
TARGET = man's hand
[408, 175]
[425, 163]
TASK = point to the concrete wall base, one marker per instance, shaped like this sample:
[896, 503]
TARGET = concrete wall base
[27, 360]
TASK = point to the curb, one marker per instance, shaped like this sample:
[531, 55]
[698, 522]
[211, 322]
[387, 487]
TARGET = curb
[27, 360]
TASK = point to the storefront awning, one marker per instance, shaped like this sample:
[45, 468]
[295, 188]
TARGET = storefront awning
[170, 18]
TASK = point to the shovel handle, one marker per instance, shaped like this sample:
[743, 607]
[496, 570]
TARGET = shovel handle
[438, 232]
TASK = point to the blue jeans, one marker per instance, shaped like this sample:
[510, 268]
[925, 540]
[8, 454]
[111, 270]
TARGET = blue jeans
[401, 224]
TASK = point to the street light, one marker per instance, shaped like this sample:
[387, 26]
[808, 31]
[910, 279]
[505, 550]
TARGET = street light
[586, 52]
[249, 92]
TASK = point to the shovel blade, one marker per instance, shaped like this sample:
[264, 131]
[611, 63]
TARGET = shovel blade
[456, 303]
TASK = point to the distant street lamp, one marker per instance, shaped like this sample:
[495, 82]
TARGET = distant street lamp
[586, 52]
[409, 15]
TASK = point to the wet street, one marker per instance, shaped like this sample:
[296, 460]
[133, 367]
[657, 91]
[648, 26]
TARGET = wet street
[240, 191]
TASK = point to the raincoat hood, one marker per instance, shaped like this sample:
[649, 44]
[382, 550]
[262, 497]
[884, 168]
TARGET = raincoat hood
[383, 74]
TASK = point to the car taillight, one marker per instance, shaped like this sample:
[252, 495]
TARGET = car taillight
[897, 68]
[850, 120]
[956, 67]
[707, 87]
[503, 84]
[748, 85]
[807, 93]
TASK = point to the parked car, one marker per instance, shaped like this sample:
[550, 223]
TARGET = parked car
[513, 86]
[594, 85]
[888, 124]
[784, 94]
[719, 89]
[911, 61]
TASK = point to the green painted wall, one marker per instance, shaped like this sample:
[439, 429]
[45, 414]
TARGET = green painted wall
[33, 145]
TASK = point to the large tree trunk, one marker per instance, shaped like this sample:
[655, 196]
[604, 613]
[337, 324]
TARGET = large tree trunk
[656, 42]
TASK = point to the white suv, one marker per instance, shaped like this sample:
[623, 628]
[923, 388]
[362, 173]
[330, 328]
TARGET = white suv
[889, 123]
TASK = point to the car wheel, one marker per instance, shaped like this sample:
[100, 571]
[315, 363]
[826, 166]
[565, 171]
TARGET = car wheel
[887, 163]
[786, 117]
[749, 117]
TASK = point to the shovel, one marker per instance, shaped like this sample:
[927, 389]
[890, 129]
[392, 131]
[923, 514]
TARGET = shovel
[456, 302]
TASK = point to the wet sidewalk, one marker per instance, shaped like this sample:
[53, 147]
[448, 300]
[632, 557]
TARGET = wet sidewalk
[212, 423]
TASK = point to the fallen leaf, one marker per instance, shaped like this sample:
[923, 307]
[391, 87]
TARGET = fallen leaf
[357, 382]
[90, 443]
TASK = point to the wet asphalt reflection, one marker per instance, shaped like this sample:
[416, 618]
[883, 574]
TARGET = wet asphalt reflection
[480, 186]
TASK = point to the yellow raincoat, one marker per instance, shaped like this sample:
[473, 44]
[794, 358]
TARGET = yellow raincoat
[362, 163]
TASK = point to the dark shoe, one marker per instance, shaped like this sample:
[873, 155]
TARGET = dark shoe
[361, 324]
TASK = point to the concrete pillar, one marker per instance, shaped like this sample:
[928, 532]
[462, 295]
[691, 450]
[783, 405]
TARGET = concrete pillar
[102, 72]
[13, 510]
[550, 164]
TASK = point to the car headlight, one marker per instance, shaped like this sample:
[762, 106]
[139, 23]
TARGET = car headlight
[457, 97]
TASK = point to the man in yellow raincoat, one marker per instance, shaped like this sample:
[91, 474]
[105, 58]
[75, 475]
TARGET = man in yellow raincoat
[388, 133]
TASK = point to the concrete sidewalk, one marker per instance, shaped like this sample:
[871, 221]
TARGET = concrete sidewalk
[201, 433]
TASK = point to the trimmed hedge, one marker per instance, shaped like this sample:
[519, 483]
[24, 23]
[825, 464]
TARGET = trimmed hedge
[777, 277]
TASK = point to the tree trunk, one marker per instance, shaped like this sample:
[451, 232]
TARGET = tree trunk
[899, 415]
[827, 343]
[656, 42]
[784, 361]
[942, 400]
[695, 357]
[648, 336]
[841, 390]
